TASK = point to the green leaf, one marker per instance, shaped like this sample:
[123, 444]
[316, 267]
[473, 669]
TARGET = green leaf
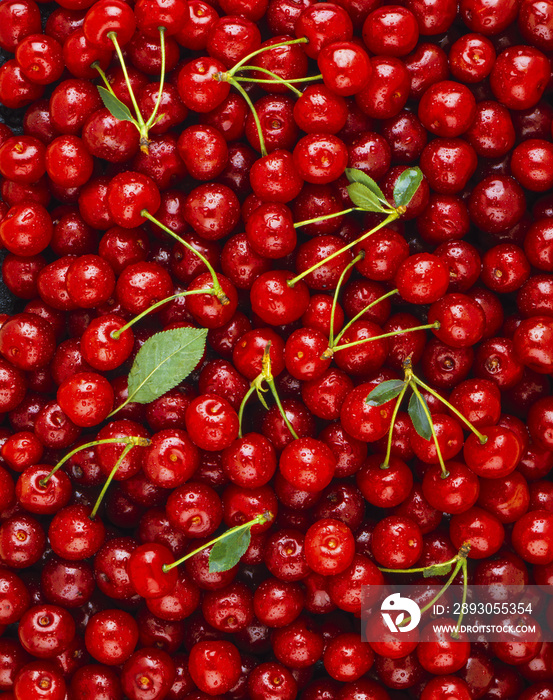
[114, 105]
[419, 417]
[437, 570]
[354, 175]
[385, 391]
[363, 197]
[164, 361]
[228, 551]
[406, 186]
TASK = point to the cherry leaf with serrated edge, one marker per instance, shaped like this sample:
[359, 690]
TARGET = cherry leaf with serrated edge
[363, 197]
[419, 417]
[164, 361]
[228, 551]
[354, 175]
[115, 107]
[384, 392]
[406, 186]
[438, 569]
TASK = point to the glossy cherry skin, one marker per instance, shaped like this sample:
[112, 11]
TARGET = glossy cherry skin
[461, 320]
[146, 571]
[86, 398]
[171, 458]
[14, 596]
[387, 89]
[214, 666]
[447, 109]
[98, 346]
[455, 493]
[38, 678]
[250, 461]
[492, 133]
[274, 177]
[384, 487]
[270, 679]
[497, 457]
[329, 546]
[73, 535]
[478, 400]
[532, 345]
[149, 670]
[278, 603]
[530, 537]
[111, 636]
[346, 588]
[397, 542]
[480, 529]
[442, 654]
[496, 204]
[422, 279]
[362, 421]
[22, 541]
[274, 301]
[299, 645]
[130, 193]
[43, 499]
[211, 422]
[46, 630]
[507, 79]
[446, 686]
[507, 498]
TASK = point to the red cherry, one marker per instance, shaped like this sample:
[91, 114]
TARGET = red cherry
[214, 666]
[146, 571]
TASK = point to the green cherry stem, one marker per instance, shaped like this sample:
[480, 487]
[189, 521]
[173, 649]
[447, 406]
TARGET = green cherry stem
[337, 292]
[455, 634]
[152, 117]
[243, 406]
[113, 472]
[265, 71]
[345, 346]
[386, 221]
[133, 440]
[258, 520]
[459, 561]
[444, 588]
[105, 80]
[245, 95]
[461, 554]
[316, 220]
[266, 376]
[386, 463]
[116, 334]
[253, 54]
[113, 37]
[416, 391]
[278, 79]
[274, 392]
[419, 570]
[483, 438]
[369, 306]
[217, 291]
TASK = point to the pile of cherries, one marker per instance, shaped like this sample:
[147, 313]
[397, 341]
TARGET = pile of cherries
[239, 234]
